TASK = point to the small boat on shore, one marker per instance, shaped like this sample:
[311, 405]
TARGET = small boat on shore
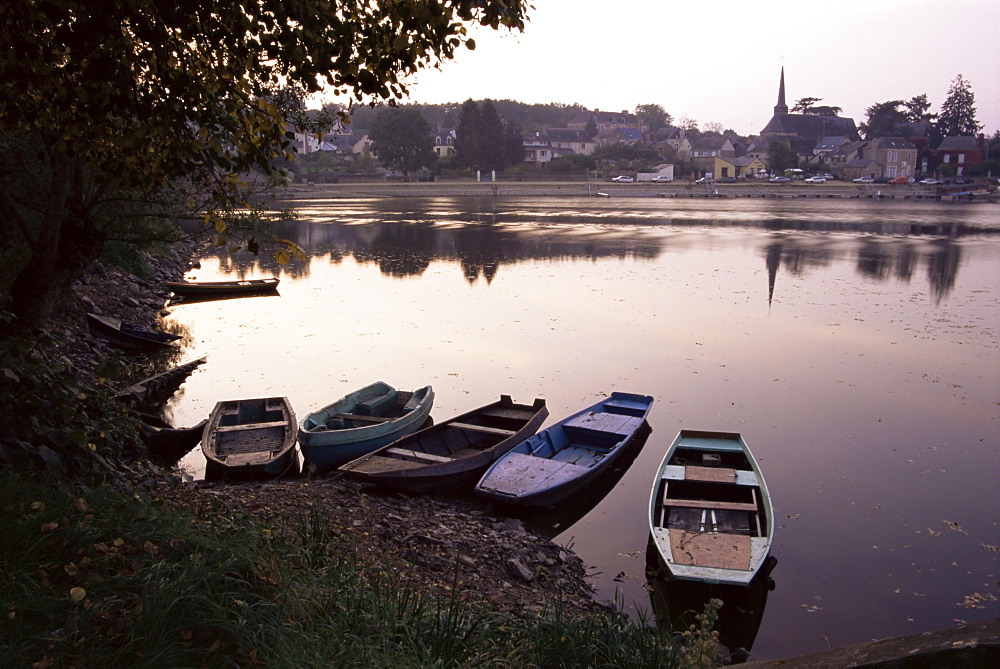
[128, 336]
[554, 464]
[158, 387]
[710, 514]
[200, 288]
[250, 438]
[452, 454]
[360, 422]
[167, 444]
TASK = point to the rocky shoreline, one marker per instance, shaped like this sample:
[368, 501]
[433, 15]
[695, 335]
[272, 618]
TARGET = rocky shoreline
[437, 546]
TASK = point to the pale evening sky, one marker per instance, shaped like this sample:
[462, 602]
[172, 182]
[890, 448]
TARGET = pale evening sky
[720, 60]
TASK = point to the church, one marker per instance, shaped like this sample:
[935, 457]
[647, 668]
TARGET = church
[810, 136]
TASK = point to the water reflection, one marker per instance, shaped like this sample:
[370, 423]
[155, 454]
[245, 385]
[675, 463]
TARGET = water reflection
[676, 604]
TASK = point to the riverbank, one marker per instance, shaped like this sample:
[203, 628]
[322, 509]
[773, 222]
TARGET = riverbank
[510, 189]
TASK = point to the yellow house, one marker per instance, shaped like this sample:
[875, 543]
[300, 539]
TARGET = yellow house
[737, 167]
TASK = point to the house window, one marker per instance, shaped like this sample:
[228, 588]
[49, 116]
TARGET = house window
[947, 159]
[961, 157]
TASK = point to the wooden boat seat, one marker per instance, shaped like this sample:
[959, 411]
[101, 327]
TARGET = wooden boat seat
[484, 428]
[418, 456]
[250, 426]
[602, 424]
[710, 504]
[718, 551]
[359, 417]
[710, 474]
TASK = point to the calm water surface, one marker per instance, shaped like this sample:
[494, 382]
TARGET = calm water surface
[853, 343]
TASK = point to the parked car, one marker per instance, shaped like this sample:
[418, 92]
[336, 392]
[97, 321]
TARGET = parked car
[816, 180]
[728, 180]
[779, 180]
[900, 180]
[865, 180]
[828, 177]
[662, 179]
[623, 179]
[930, 182]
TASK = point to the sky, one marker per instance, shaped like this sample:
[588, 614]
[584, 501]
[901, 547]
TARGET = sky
[720, 60]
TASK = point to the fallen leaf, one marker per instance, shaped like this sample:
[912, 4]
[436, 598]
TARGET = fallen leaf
[77, 594]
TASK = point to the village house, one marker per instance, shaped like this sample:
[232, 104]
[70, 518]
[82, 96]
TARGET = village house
[960, 153]
[606, 121]
[896, 156]
[444, 143]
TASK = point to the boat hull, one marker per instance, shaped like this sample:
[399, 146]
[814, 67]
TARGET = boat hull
[250, 439]
[549, 467]
[127, 336]
[451, 455]
[361, 422]
[710, 513]
[198, 288]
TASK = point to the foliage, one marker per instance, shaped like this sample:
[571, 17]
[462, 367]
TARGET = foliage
[402, 140]
[624, 152]
[483, 140]
[809, 106]
[780, 156]
[94, 578]
[883, 119]
[917, 108]
[574, 163]
[654, 116]
[53, 419]
[958, 111]
[175, 103]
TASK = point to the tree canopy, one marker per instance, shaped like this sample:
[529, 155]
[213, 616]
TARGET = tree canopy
[883, 119]
[402, 139]
[137, 98]
[483, 140]
[958, 111]
[654, 116]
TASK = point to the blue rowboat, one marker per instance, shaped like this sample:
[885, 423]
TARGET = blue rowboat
[710, 514]
[549, 467]
[453, 454]
[360, 422]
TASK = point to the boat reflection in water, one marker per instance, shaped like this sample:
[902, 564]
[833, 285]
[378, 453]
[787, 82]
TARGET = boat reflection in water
[676, 603]
[551, 521]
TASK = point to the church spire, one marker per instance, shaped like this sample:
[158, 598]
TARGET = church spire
[781, 107]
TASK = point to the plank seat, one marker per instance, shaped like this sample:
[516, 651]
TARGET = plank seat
[417, 455]
[710, 504]
[250, 426]
[484, 428]
[359, 417]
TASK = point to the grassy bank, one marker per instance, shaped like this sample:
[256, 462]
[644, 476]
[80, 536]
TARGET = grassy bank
[97, 578]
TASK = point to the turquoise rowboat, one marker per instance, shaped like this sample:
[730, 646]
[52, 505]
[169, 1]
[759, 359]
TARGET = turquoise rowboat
[556, 463]
[710, 514]
[361, 422]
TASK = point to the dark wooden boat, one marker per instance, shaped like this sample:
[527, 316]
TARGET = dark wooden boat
[159, 387]
[250, 438]
[551, 466]
[167, 444]
[452, 454]
[128, 336]
[200, 288]
[710, 513]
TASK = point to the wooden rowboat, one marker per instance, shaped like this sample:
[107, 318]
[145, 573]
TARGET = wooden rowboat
[167, 444]
[128, 336]
[360, 422]
[710, 513]
[251, 438]
[452, 454]
[222, 287]
[554, 464]
[159, 387]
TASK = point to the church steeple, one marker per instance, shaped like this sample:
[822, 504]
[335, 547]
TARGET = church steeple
[781, 107]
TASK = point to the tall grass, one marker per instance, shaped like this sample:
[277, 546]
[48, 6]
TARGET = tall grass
[96, 579]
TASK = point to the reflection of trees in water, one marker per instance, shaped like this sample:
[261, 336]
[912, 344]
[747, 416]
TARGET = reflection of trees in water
[877, 259]
[407, 248]
[942, 268]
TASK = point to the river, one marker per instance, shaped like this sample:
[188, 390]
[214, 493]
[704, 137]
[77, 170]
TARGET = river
[854, 344]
